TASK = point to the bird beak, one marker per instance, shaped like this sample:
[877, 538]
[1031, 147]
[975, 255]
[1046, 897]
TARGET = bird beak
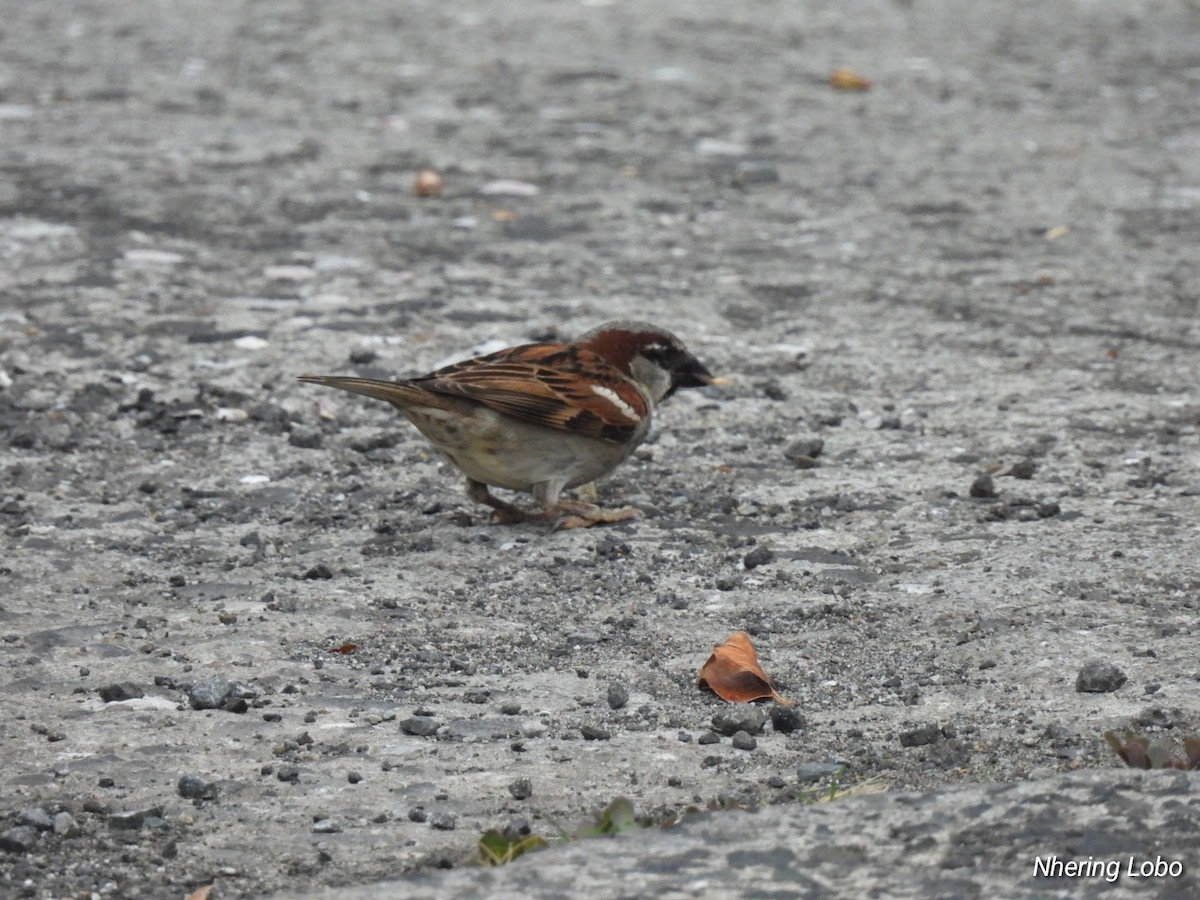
[698, 376]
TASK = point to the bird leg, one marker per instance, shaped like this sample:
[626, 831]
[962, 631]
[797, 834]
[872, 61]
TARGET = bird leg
[562, 514]
[502, 511]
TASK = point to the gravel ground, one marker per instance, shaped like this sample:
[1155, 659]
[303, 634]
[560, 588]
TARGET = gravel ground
[954, 478]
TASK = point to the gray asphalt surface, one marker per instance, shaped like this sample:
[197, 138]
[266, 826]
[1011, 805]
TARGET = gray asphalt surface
[984, 265]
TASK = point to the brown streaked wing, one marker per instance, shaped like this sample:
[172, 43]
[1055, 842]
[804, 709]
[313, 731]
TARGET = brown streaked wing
[541, 384]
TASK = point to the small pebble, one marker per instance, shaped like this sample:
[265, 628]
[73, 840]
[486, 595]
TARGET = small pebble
[920, 736]
[709, 737]
[354, 777]
[1099, 677]
[521, 789]
[20, 839]
[1047, 509]
[326, 826]
[617, 696]
[505, 187]
[420, 726]
[983, 486]
[427, 184]
[759, 556]
[37, 817]
[817, 771]
[126, 690]
[747, 173]
[593, 733]
[749, 719]
[193, 787]
[306, 438]
[785, 719]
[1023, 469]
[744, 741]
[532, 728]
[65, 825]
[443, 821]
[211, 692]
[131, 820]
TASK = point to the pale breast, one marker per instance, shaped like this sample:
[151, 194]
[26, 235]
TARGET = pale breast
[506, 453]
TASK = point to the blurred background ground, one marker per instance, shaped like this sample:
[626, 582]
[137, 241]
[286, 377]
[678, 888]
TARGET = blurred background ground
[984, 263]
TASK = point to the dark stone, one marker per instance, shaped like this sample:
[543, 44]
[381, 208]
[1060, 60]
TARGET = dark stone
[759, 556]
[1047, 509]
[594, 733]
[749, 719]
[20, 839]
[306, 438]
[443, 821]
[744, 741]
[319, 572]
[521, 789]
[809, 773]
[920, 736]
[419, 726]
[126, 690]
[1099, 677]
[617, 696]
[193, 787]
[785, 719]
[1023, 469]
[804, 452]
[211, 692]
[983, 487]
[131, 820]
[37, 817]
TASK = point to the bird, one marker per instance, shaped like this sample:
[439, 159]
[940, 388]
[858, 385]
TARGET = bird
[544, 417]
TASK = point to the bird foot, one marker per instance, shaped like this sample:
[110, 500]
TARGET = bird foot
[563, 515]
[567, 514]
[503, 512]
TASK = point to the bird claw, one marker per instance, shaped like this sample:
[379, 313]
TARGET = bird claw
[574, 514]
[563, 515]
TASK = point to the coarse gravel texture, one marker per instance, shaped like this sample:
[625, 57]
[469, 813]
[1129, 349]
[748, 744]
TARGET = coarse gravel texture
[254, 635]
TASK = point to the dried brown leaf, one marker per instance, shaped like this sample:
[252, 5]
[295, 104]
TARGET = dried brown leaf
[733, 673]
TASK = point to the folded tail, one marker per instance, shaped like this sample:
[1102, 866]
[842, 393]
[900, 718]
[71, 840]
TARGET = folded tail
[397, 392]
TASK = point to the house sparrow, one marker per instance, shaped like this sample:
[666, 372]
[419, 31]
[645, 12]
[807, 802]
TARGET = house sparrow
[543, 417]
